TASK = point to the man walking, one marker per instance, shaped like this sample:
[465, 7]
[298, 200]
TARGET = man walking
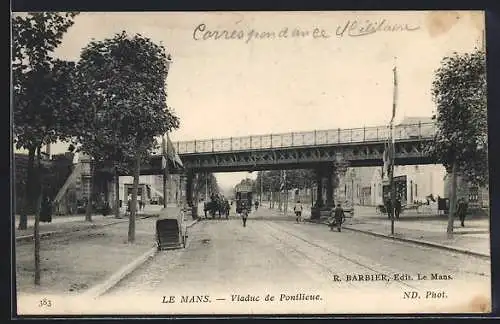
[244, 215]
[397, 208]
[461, 211]
[339, 216]
[298, 211]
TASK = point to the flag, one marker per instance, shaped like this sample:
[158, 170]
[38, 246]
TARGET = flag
[395, 93]
[385, 158]
[163, 162]
[168, 150]
[283, 180]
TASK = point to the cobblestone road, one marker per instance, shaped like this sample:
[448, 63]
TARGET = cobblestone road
[224, 259]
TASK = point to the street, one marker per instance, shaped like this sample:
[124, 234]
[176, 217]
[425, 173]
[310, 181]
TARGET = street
[223, 259]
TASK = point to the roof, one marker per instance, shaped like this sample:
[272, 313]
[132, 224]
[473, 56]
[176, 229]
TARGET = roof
[416, 120]
[417, 126]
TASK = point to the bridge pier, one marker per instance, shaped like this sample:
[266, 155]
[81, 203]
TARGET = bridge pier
[329, 187]
[189, 194]
[319, 188]
[322, 208]
[189, 188]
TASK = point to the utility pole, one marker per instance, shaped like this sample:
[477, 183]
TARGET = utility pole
[352, 188]
[261, 187]
[391, 179]
[392, 152]
[286, 192]
[206, 186]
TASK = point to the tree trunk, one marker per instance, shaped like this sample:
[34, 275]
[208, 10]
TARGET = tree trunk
[36, 229]
[133, 203]
[28, 192]
[117, 194]
[88, 211]
[453, 199]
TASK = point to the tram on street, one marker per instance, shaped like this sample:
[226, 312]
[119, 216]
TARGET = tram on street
[243, 197]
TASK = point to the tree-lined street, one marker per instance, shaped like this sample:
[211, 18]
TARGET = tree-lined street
[276, 254]
[110, 105]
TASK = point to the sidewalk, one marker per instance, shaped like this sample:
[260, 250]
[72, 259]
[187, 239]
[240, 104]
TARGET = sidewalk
[428, 230]
[472, 239]
[86, 262]
[74, 263]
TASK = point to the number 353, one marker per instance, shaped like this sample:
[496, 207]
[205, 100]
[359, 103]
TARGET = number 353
[44, 302]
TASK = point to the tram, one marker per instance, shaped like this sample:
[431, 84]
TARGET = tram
[243, 197]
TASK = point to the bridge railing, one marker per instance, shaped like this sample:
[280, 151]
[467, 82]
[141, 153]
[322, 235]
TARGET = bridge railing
[312, 138]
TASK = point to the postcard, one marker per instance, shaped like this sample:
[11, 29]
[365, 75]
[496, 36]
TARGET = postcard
[250, 163]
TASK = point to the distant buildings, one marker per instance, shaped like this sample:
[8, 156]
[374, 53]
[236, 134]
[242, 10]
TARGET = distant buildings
[152, 191]
[68, 182]
[478, 197]
[421, 181]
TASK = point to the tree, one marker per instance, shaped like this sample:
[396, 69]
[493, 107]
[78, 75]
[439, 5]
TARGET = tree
[205, 183]
[461, 140]
[40, 84]
[122, 87]
[41, 99]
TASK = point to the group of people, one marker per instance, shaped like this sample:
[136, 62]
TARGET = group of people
[336, 218]
[396, 210]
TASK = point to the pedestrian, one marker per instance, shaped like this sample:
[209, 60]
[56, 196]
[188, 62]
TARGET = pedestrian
[389, 208]
[461, 211]
[397, 208]
[46, 210]
[339, 216]
[244, 215]
[298, 211]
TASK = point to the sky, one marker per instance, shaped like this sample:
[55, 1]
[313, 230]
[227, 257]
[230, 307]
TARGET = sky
[236, 87]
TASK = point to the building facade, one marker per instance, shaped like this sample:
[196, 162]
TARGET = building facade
[355, 186]
[153, 188]
[421, 181]
[476, 196]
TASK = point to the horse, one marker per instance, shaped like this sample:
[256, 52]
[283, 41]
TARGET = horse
[217, 204]
[211, 208]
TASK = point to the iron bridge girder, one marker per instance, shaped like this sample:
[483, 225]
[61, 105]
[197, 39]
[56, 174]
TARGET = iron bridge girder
[360, 154]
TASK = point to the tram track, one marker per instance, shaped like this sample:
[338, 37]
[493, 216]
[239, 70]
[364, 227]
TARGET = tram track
[277, 234]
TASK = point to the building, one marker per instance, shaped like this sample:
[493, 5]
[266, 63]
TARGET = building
[477, 197]
[55, 170]
[151, 188]
[355, 186]
[420, 181]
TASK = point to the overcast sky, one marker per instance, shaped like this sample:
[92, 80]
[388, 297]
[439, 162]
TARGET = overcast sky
[222, 88]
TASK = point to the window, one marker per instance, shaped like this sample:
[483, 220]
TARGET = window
[416, 191]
